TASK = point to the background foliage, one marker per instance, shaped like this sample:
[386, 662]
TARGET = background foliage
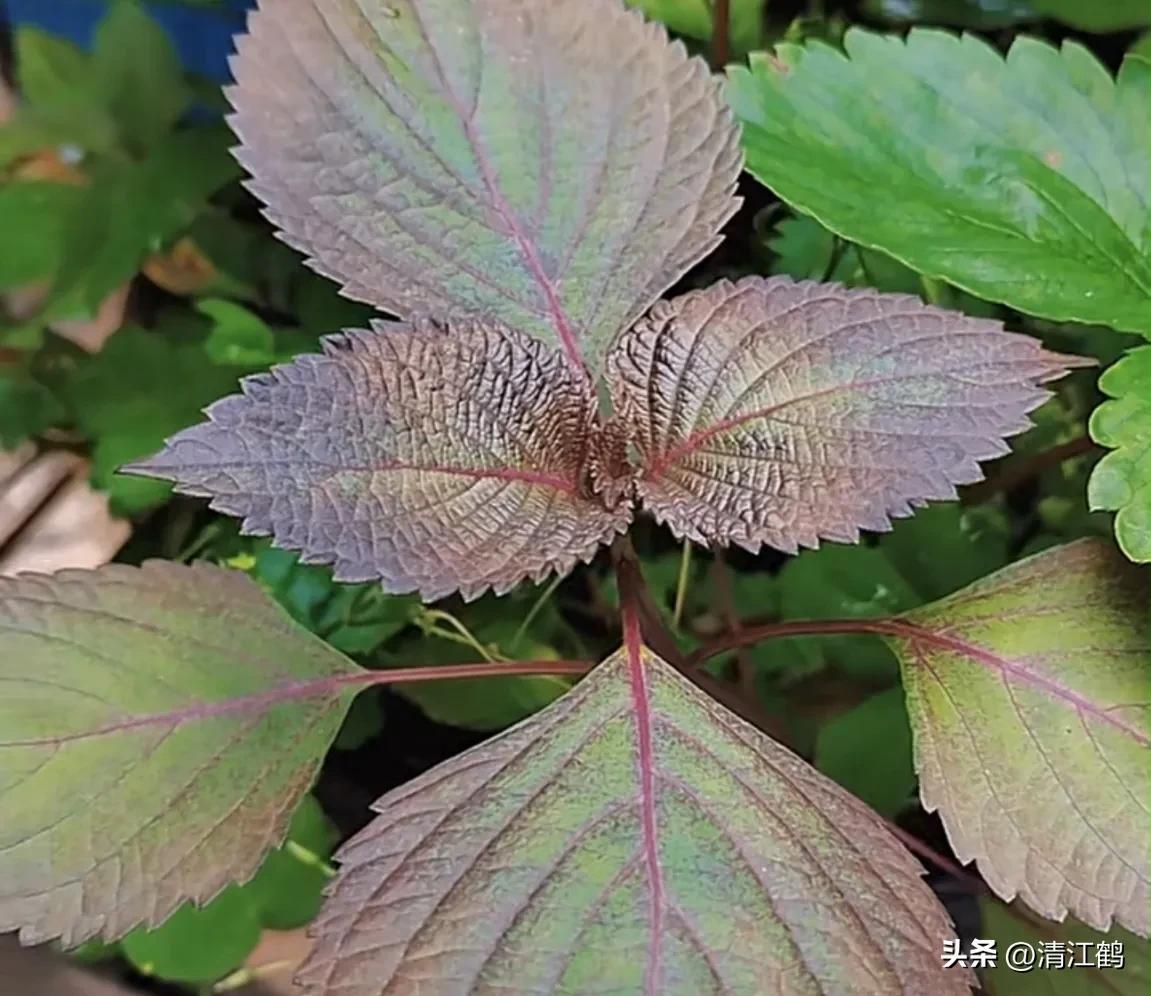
[114, 171]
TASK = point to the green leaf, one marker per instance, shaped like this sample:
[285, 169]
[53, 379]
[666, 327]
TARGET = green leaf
[238, 337]
[552, 170]
[364, 721]
[1023, 180]
[837, 581]
[1028, 698]
[127, 399]
[961, 13]
[138, 73]
[1121, 481]
[867, 750]
[943, 547]
[489, 703]
[693, 19]
[288, 890]
[1113, 15]
[354, 619]
[184, 717]
[198, 945]
[1064, 948]
[26, 408]
[34, 217]
[633, 837]
[52, 70]
[133, 208]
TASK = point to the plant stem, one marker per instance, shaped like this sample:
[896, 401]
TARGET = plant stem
[721, 33]
[681, 584]
[309, 858]
[331, 685]
[635, 601]
[802, 627]
[462, 633]
[1024, 470]
[925, 851]
[634, 595]
[534, 611]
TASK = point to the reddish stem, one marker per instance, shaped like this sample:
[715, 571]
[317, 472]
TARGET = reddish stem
[316, 688]
[645, 772]
[941, 861]
[802, 627]
[1022, 471]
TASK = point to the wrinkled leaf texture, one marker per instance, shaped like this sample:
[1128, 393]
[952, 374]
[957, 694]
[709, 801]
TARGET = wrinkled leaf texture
[158, 726]
[454, 458]
[768, 411]
[632, 837]
[551, 165]
[433, 460]
[1028, 693]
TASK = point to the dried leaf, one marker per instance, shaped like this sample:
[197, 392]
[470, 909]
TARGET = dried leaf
[1028, 693]
[555, 166]
[158, 727]
[429, 461]
[632, 837]
[768, 411]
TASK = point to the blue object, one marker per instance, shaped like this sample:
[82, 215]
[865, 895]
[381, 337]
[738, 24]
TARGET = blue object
[202, 33]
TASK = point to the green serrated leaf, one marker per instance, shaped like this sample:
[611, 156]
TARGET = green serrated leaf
[184, 717]
[1121, 481]
[198, 944]
[1022, 180]
[867, 750]
[1028, 698]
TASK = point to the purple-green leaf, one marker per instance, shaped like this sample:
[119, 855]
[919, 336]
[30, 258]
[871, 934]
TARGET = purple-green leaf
[782, 413]
[634, 837]
[1028, 693]
[554, 166]
[158, 726]
[430, 460]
